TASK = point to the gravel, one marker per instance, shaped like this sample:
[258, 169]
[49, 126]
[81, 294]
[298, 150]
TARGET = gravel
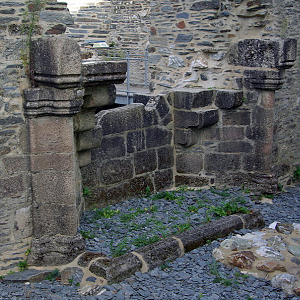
[196, 275]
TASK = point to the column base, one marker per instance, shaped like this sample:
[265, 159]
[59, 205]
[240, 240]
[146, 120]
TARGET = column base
[55, 250]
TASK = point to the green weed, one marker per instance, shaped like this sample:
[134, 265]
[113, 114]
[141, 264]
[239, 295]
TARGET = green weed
[144, 240]
[119, 249]
[86, 192]
[296, 175]
[23, 265]
[87, 234]
[105, 212]
[55, 274]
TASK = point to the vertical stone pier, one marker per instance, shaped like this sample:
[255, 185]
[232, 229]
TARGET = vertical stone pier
[55, 176]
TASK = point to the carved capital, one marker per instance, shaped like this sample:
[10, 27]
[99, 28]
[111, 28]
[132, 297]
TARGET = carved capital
[52, 101]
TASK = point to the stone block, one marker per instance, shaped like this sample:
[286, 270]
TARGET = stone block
[111, 147]
[288, 53]
[115, 171]
[259, 133]
[150, 118]
[11, 186]
[62, 220]
[104, 72]
[145, 161]
[54, 187]
[52, 161]
[156, 137]
[232, 133]
[220, 162]
[236, 117]
[165, 157]
[160, 252]
[99, 96]
[61, 17]
[190, 163]
[190, 180]
[257, 162]
[235, 147]
[262, 116]
[90, 174]
[137, 186]
[185, 138]
[163, 179]
[121, 119]
[16, 164]
[192, 98]
[23, 223]
[142, 98]
[85, 120]
[55, 250]
[56, 60]
[196, 119]
[84, 158]
[202, 5]
[116, 269]
[88, 139]
[135, 141]
[48, 134]
[226, 99]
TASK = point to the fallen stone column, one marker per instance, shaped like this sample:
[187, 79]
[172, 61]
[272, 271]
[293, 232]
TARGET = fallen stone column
[153, 255]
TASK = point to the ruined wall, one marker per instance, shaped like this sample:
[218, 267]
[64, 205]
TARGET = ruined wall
[15, 188]
[136, 152]
[189, 42]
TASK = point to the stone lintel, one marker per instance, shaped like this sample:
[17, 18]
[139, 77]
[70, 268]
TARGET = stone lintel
[103, 72]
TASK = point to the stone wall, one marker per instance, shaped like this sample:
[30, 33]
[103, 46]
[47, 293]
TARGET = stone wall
[15, 179]
[136, 152]
[189, 42]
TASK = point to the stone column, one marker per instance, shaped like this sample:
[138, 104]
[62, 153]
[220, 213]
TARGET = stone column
[55, 176]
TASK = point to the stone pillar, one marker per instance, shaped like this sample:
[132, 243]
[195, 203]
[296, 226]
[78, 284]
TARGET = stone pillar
[55, 176]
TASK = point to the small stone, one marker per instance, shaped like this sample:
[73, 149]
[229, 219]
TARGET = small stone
[218, 255]
[269, 252]
[242, 259]
[285, 228]
[200, 63]
[296, 227]
[296, 240]
[294, 249]
[284, 281]
[270, 266]
[276, 242]
[176, 62]
[295, 260]
[236, 243]
[71, 276]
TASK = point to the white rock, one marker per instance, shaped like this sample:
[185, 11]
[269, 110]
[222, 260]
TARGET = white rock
[296, 227]
[284, 281]
[269, 252]
[200, 63]
[273, 225]
[218, 255]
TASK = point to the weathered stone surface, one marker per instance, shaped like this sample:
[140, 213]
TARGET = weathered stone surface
[285, 228]
[165, 157]
[276, 243]
[189, 163]
[196, 119]
[192, 98]
[88, 139]
[63, 17]
[86, 257]
[116, 269]
[71, 276]
[102, 95]
[156, 137]
[115, 171]
[284, 281]
[23, 223]
[31, 275]
[236, 118]
[236, 244]
[145, 161]
[111, 147]
[163, 179]
[226, 99]
[219, 162]
[294, 249]
[185, 138]
[190, 180]
[11, 186]
[269, 252]
[55, 250]
[270, 266]
[135, 141]
[235, 147]
[176, 62]
[202, 5]
[160, 252]
[121, 119]
[242, 259]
